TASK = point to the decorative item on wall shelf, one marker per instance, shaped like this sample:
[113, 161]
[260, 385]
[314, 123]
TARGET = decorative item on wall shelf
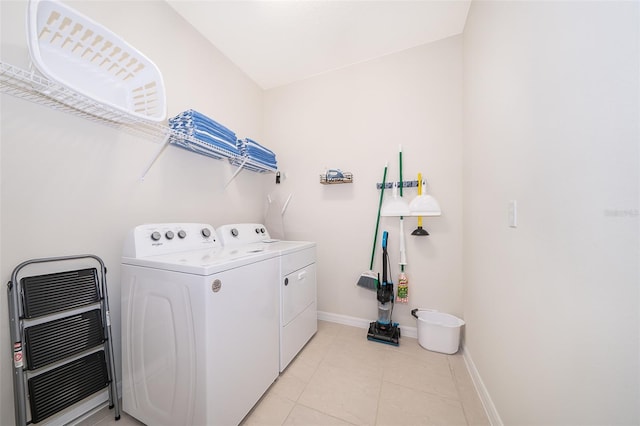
[333, 176]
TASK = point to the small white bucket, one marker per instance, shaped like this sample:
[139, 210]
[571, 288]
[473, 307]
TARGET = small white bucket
[437, 331]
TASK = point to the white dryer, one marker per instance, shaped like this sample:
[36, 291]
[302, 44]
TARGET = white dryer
[297, 283]
[200, 326]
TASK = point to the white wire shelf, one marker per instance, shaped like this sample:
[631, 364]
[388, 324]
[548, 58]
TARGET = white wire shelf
[30, 86]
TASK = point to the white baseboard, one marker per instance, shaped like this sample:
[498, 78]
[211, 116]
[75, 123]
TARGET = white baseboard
[483, 393]
[362, 323]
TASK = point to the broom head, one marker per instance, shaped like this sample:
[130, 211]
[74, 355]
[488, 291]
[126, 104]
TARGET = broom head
[368, 280]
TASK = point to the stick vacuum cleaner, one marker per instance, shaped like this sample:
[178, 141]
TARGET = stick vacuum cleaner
[383, 330]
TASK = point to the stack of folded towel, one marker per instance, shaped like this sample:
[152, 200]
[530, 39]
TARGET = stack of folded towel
[257, 153]
[216, 140]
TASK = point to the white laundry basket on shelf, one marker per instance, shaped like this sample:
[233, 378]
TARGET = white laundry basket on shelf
[82, 55]
[437, 331]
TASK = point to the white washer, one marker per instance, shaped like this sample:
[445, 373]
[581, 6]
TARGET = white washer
[298, 297]
[200, 326]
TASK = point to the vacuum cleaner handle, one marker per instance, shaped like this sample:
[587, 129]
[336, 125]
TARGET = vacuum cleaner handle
[385, 255]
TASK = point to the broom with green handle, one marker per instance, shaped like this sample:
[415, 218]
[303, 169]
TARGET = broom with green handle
[369, 279]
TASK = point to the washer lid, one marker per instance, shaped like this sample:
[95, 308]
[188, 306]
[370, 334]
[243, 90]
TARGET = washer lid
[204, 262]
[286, 247]
[256, 235]
[279, 246]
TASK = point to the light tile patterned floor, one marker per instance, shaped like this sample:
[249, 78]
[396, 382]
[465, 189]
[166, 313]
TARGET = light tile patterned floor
[341, 378]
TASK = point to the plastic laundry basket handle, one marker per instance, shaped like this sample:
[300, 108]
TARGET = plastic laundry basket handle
[413, 311]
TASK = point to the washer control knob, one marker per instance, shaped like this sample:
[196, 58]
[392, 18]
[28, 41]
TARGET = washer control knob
[234, 232]
[169, 235]
[262, 230]
[206, 232]
[257, 230]
[181, 234]
[155, 236]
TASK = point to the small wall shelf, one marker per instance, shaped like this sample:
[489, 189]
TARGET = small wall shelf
[343, 177]
[30, 86]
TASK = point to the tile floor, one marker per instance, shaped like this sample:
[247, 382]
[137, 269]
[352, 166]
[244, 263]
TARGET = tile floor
[341, 378]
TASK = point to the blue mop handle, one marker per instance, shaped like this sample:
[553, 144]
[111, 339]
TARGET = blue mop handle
[385, 234]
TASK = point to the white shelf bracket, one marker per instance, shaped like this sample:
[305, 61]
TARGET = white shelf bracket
[238, 170]
[286, 204]
[161, 148]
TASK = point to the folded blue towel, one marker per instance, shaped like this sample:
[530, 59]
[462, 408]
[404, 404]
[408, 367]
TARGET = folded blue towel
[208, 137]
[259, 155]
[189, 125]
[199, 118]
[270, 160]
[262, 158]
[213, 139]
[256, 152]
[254, 146]
[270, 163]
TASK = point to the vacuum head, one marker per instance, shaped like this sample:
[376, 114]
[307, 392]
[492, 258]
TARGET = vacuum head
[384, 333]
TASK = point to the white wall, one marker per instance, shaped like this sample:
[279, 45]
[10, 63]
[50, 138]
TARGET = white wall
[71, 186]
[354, 119]
[551, 120]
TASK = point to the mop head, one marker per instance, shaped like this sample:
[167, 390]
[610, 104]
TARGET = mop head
[368, 280]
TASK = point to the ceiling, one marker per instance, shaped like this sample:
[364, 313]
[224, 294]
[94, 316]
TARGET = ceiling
[279, 42]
